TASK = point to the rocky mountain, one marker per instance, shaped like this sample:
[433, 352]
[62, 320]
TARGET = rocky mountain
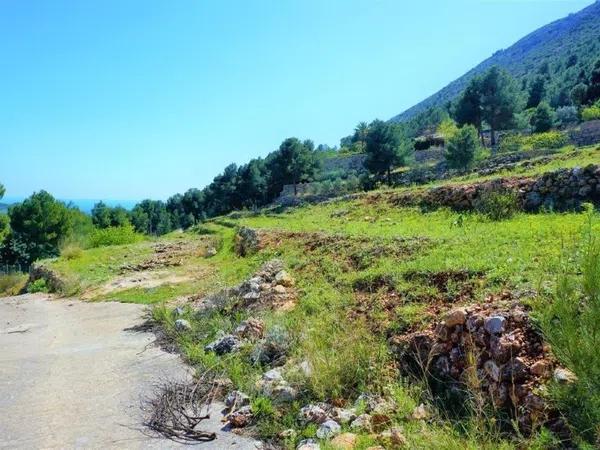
[560, 50]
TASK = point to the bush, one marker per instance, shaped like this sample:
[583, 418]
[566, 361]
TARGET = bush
[549, 139]
[496, 205]
[12, 283]
[462, 148]
[570, 324]
[567, 115]
[114, 236]
[591, 113]
[543, 118]
[38, 285]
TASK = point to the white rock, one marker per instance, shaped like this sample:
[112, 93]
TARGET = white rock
[328, 429]
[182, 325]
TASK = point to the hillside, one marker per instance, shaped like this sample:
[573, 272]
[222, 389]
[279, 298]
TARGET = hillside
[567, 46]
[361, 319]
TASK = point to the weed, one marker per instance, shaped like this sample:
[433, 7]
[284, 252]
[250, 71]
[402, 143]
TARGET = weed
[496, 205]
[38, 285]
[12, 283]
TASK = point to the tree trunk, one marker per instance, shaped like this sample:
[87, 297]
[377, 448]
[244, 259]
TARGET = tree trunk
[389, 177]
[493, 137]
[295, 189]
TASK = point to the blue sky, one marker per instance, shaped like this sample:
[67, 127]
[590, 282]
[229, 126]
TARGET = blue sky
[131, 99]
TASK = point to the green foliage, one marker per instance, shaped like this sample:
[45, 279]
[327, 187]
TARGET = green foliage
[496, 205]
[4, 226]
[293, 163]
[103, 216]
[151, 217]
[103, 237]
[499, 99]
[542, 119]
[38, 225]
[591, 113]
[571, 324]
[385, 148]
[262, 408]
[12, 283]
[516, 142]
[560, 52]
[567, 115]
[447, 128]
[462, 148]
[468, 109]
[38, 285]
[537, 91]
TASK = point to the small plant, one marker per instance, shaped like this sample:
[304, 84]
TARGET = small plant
[591, 113]
[38, 285]
[570, 323]
[103, 237]
[12, 283]
[71, 251]
[497, 205]
[262, 407]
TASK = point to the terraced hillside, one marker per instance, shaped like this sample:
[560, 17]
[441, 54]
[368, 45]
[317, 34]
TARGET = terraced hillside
[374, 320]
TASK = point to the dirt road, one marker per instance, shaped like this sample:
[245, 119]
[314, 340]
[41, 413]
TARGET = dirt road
[73, 376]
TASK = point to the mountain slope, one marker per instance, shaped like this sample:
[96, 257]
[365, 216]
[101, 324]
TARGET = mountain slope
[567, 46]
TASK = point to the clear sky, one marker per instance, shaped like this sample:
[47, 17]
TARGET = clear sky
[130, 99]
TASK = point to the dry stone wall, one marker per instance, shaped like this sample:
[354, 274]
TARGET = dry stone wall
[564, 189]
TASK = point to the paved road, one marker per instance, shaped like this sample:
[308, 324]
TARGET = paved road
[73, 376]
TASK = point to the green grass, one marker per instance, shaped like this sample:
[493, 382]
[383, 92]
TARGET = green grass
[347, 257]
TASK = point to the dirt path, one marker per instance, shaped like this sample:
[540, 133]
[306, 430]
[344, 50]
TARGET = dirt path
[73, 376]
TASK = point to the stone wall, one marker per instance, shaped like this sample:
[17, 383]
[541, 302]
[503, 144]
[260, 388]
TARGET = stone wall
[588, 133]
[564, 189]
[433, 154]
[345, 163]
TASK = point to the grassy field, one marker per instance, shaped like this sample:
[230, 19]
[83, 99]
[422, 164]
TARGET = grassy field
[363, 271]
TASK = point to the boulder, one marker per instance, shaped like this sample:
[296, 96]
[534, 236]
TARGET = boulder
[564, 376]
[494, 324]
[362, 422]
[344, 441]
[251, 329]
[308, 444]
[240, 418]
[182, 325]
[283, 278]
[223, 344]
[312, 414]
[457, 316]
[342, 415]
[328, 429]
[236, 400]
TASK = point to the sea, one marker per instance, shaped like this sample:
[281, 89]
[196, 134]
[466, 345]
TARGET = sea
[84, 204]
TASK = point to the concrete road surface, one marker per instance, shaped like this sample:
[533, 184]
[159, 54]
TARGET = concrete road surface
[73, 376]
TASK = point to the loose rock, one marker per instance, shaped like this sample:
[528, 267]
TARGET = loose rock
[328, 429]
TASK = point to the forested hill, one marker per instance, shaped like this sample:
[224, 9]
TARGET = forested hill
[561, 50]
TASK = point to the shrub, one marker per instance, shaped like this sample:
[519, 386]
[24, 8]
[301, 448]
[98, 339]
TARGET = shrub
[549, 139]
[497, 205]
[567, 115]
[38, 285]
[114, 236]
[543, 118]
[462, 148]
[510, 143]
[570, 324]
[12, 283]
[591, 113]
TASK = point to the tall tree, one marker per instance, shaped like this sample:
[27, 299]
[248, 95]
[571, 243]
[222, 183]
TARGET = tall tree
[361, 131]
[543, 118]
[593, 90]
[461, 149]
[101, 215]
[469, 109]
[385, 148]
[499, 100]
[537, 91]
[293, 163]
[252, 183]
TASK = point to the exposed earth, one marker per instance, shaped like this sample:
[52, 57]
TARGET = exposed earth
[75, 375]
